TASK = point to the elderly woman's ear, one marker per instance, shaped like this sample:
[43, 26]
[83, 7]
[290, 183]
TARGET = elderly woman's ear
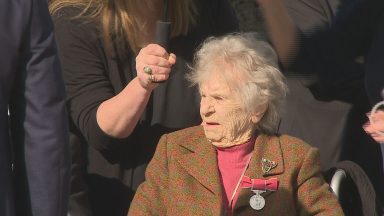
[255, 118]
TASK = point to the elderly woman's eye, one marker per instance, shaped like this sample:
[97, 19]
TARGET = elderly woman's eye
[218, 98]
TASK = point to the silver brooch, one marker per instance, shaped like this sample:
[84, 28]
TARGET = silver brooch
[267, 165]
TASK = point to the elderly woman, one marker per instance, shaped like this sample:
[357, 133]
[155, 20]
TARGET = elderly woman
[234, 163]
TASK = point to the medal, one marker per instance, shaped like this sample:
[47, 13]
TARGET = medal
[259, 186]
[257, 202]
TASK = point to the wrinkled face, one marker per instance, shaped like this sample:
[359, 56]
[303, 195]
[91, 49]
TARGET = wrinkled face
[225, 121]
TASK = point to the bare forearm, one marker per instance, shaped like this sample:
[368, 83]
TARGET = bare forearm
[119, 115]
[281, 29]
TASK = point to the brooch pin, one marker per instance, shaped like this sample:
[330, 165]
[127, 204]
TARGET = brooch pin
[267, 165]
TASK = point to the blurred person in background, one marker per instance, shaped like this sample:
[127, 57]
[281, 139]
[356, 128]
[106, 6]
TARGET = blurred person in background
[34, 150]
[341, 51]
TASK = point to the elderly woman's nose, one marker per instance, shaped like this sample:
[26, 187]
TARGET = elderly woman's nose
[206, 106]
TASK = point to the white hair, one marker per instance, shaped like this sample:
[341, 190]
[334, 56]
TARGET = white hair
[250, 68]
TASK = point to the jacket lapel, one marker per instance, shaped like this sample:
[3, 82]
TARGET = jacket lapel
[201, 162]
[268, 148]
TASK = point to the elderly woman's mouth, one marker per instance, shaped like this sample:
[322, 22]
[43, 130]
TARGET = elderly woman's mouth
[211, 123]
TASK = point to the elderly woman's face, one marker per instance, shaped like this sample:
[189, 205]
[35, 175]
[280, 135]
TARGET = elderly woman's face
[225, 121]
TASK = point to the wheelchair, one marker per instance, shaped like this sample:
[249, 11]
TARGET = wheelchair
[353, 189]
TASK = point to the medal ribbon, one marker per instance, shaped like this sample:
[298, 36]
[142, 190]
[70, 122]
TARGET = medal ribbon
[260, 184]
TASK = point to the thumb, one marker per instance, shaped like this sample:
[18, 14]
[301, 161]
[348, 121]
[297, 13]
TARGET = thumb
[172, 59]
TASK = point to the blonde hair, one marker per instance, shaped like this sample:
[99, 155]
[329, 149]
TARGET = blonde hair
[249, 67]
[119, 23]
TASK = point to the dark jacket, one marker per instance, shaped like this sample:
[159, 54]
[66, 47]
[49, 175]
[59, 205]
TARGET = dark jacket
[35, 140]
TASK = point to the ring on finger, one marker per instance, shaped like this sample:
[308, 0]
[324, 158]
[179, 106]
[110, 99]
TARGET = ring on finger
[152, 78]
[147, 70]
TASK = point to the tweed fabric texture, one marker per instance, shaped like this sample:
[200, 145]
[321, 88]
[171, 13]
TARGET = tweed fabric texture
[183, 179]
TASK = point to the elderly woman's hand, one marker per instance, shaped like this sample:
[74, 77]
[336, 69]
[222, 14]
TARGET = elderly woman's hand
[375, 127]
[153, 66]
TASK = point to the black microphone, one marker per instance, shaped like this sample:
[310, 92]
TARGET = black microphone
[163, 28]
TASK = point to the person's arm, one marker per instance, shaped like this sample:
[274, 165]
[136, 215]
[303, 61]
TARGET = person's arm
[39, 105]
[281, 29]
[103, 115]
[150, 197]
[119, 115]
[374, 76]
[314, 196]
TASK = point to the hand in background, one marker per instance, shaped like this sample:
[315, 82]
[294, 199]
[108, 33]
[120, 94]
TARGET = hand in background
[375, 126]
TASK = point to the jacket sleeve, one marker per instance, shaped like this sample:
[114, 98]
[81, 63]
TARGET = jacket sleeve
[39, 117]
[86, 74]
[150, 198]
[313, 193]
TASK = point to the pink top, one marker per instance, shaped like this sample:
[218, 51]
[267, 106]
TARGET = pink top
[231, 162]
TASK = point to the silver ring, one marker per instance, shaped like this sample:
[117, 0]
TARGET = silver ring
[152, 78]
[147, 70]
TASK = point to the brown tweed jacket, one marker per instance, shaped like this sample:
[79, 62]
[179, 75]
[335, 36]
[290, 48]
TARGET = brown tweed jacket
[183, 179]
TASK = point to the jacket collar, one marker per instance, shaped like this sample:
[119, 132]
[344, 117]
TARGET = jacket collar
[201, 161]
